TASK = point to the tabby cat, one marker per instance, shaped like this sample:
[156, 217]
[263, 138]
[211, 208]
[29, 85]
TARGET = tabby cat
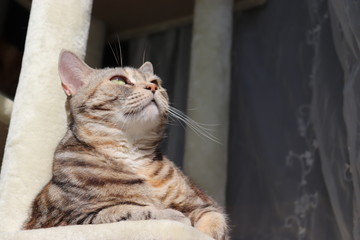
[108, 166]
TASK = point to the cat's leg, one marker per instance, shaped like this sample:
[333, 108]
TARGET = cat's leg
[133, 212]
[211, 222]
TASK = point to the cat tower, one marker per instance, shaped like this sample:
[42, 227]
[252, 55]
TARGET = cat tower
[38, 118]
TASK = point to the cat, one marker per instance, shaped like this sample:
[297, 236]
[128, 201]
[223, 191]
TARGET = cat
[108, 167]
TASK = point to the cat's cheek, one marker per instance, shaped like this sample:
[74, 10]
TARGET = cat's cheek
[164, 95]
[120, 119]
[162, 102]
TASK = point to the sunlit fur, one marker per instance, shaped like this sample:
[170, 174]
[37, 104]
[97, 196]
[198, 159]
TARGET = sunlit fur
[108, 167]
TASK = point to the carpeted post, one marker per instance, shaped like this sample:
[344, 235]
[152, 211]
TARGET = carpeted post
[38, 119]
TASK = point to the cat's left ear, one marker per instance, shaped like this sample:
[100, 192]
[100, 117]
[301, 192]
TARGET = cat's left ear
[147, 67]
[73, 72]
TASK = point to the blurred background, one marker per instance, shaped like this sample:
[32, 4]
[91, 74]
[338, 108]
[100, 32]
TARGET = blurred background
[293, 137]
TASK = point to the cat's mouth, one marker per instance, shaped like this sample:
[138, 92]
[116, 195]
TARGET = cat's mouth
[151, 103]
[146, 107]
[150, 108]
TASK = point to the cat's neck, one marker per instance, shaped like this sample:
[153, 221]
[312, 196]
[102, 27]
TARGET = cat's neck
[117, 143]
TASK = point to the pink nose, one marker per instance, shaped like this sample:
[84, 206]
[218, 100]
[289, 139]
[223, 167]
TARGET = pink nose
[152, 87]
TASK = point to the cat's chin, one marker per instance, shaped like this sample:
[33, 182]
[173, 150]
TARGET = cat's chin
[151, 110]
[149, 116]
[144, 122]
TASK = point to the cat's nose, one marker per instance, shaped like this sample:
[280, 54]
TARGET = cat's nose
[152, 87]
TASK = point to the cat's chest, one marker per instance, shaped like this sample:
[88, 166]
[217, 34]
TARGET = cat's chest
[129, 158]
[134, 161]
[143, 166]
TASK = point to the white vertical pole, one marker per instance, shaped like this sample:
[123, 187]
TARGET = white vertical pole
[206, 161]
[38, 119]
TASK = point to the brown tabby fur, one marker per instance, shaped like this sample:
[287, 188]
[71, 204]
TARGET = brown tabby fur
[108, 167]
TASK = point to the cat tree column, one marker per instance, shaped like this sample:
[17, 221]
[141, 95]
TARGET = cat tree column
[38, 119]
[206, 161]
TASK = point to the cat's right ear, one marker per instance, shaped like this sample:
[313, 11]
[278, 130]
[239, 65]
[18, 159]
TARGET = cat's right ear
[72, 71]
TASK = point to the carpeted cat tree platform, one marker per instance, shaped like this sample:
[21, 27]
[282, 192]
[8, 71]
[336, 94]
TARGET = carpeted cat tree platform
[38, 123]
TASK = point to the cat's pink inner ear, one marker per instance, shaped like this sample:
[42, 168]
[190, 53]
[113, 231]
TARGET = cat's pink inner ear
[72, 71]
[66, 89]
[147, 67]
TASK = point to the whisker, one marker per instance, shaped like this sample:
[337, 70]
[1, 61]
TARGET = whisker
[126, 120]
[175, 120]
[188, 123]
[120, 52]
[116, 59]
[144, 54]
[200, 130]
[200, 125]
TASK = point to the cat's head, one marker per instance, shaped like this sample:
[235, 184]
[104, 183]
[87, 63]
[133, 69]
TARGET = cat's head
[127, 98]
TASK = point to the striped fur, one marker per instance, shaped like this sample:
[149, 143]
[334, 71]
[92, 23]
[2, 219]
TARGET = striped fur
[108, 168]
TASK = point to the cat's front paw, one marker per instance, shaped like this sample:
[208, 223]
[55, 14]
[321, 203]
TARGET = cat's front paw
[214, 225]
[175, 215]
